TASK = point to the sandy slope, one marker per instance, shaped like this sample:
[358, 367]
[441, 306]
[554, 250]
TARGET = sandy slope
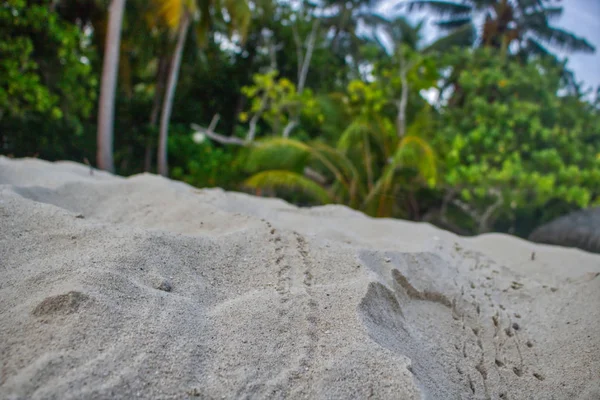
[147, 288]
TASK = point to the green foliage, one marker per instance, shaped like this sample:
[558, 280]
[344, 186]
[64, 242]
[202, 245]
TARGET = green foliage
[523, 25]
[369, 168]
[277, 153]
[511, 144]
[207, 13]
[45, 80]
[202, 164]
[277, 101]
[43, 68]
[509, 131]
[288, 180]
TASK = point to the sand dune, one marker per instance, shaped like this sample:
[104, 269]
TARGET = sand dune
[117, 288]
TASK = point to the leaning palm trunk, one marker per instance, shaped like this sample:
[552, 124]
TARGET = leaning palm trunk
[163, 166]
[106, 108]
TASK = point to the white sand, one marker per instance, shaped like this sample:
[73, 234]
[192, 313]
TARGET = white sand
[271, 301]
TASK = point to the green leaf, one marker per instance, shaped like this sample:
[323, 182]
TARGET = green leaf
[288, 180]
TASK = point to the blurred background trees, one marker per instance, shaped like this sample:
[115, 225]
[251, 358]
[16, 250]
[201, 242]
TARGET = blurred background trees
[485, 129]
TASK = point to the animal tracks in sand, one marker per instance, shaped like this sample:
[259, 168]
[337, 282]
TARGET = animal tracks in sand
[494, 351]
[294, 285]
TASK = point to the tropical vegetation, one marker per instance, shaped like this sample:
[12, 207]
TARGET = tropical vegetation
[483, 129]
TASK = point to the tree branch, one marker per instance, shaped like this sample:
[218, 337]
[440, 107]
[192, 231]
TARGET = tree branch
[309, 51]
[254, 120]
[482, 220]
[314, 175]
[210, 132]
[466, 209]
[401, 118]
[447, 199]
[213, 122]
[272, 54]
[299, 56]
[303, 72]
[290, 127]
[483, 223]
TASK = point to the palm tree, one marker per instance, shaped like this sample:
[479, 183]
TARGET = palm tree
[375, 162]
[523, 23]
[183, 22]
[366, 171]
[345, 17]
[179, 14]
[106, 107]
[277, 162]
[407, 55]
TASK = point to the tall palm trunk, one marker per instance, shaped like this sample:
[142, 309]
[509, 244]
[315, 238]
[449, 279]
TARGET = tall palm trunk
[401, 117]
[161, 73]
[106, 107]
[163, 166]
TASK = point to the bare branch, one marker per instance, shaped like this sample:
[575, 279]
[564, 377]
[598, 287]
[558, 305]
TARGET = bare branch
[314, 175]
[309, 51]
[303, 72]
[466, 209]
[290, 127]
[273, 55]
[447, 199]
[482, 220]
[213, 122]
[254, 120]
[401, 118]
[210, 132]
[299, 55]
[265, 97]
[483, 223]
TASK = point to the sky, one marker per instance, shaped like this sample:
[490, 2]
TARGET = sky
[581, 17]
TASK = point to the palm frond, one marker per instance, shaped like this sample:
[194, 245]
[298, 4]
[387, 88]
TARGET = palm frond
[552, 13]
[347, 174]
[461, 37]
[422, 124]
[277, 153]
[478, 5]
[240, 14]
[339, 158]
[203, 25]
[373, 19]
[403, 31]
[359, 135]
[377, 200]
[441, 8]
[451, 24]
[340, 166]
[534, 47]
[282, 142]
[423, 160]
[334, 112]
[170, 11]
[278, 179]
[562, 39]
[531, 5]
[351, 135]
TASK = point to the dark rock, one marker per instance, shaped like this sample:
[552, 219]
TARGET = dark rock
[579, 229]
[165, 286]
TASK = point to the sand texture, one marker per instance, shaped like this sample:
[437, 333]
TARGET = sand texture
[115, 288]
